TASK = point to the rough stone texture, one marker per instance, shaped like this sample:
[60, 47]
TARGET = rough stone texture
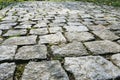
[24, 26]
[71, 49]
[91, 68]
[32, 52]
[7, 71]
[75, 28]
[20, 40]
[116, 59]
[7, 52]
[103, 47]
[41, 31]
[41, 25]
[5, 26]
[106, 34]
[15, 32]
[47, 70]
[96, 27]
[79, 36]
[52, 38]
[55, 29]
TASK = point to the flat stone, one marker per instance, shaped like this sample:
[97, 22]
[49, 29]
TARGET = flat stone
[115, 26]
[59, 21]
[74, 24]
[1, 40]
[116, 59]
[7, 71]
[52, 38]
[106, 34]
[103, 47]
[32, 52]
[0, 32]
[7, 52]
[25, 40]
[5, 26]
[15, 32]
[41, 25]
[96, 27]
[70, 49]
[75, 28]
[91, 68]
[46, 70]
[24, 26]
[55, 29]
[118, 41]
[40, 31]
[79, 36]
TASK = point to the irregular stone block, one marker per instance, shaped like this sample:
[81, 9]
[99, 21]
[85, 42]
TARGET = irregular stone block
[40, 31]
[116, 59]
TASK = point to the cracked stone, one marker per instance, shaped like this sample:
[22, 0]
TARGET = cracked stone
[7, 52]
[103, 47]
[15, 32]
[70, 49]
[81, 36]
[40, 31]
[7, 71]
[91, 68]
[25, 40]
[52, 38]
[46, 70]
[32, 52]
[75, 28]
[106, 34]
[116, 59]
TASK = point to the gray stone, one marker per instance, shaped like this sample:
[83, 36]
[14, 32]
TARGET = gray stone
[7, 52]
[24, 26]
[118, 41]
[103, 47]
[81, 36]
[52, 38]
[41, 25]
[106, 34]
[59, 21]
[96, 27]
[5, 26]
[91, 68]
[70, 49]
[15, 32]
[74, 24]
[115, 26]
[32, 52]
[116, 59]
[46, 70]
[40, 31]
[75, 28]
[25, 40]
[55, 29]
[7, 71]
[0, 32]
[1, 40]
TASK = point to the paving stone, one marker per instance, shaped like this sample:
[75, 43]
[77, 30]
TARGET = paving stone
[25, 40]
[24, 26]
[81, 36]
[70, 49]
[0, 32]
[103, 47]
[115, 26]
[74, 24]
[7, 71]
[116, 59]
[1, 40]
[41, 25]
[75, 28]
[7, 52]
[55, 29]
[40, 31]
[59, 21]
[118, 41]
[15, 32]
[106, 34]
[91, 68]
[52, 38]
[32, 52]
[47, 70]
[96, 27]
[5, 26]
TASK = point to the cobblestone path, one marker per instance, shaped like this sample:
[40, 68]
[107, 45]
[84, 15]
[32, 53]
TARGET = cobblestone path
[59, 41]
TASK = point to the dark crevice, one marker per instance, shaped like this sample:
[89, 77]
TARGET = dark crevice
[70, 75]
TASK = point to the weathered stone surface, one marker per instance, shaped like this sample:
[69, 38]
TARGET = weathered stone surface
[74, 24]
[16, 32]
[75, 28]
[41, 25]
[7, 52]
[52, 38]
[79, 36]
[70, 49]
[40, 31]
[47, 70]
[20, 40]
[32, 52]
[106, 34]
[7, 71]
[91, 68]
[5, 26]
[0, 32]
[24, 26]
[103, 47]
[55, 29]
[116, 59]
